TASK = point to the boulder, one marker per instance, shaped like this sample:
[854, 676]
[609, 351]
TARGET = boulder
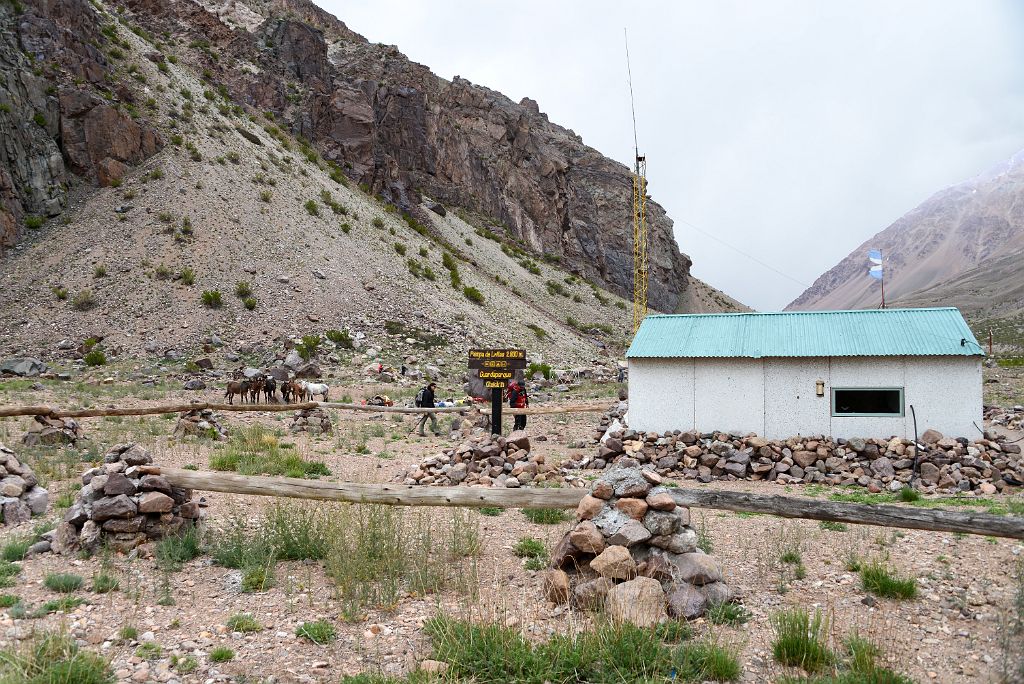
[589, 507]
[686, 601]
[661, 523]
[22, 366]
[716, 593]
[590, 595]
[519, 439]
[633, 532]
[614, 563]
[696, 568]
[661, 501]
[556, 586]
[587, 538]
[36, 499]
[119, 506]
[683, 541]
[154, 502]
[639, 601]
[634, 508]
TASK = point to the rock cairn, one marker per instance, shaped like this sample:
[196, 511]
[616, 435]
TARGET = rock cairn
[21, 497]
[488, 461]
[315, 421]
[200, 423]
[124, 503]
[53, 431]
[634, 554]
[985, 466]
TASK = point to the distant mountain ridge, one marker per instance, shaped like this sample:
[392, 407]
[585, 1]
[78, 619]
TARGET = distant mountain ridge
[953, 248]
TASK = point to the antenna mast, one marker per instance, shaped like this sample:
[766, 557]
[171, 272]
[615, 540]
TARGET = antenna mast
[640, 230]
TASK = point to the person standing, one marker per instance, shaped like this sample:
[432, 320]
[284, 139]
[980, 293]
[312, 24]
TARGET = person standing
[425, 399]
[518, 399]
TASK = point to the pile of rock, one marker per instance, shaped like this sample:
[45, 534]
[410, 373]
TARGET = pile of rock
[21, 497]
[634, 553]
[124, 503]
[488, 461]
[200, 423]
[53, 431]
[1009, 418]
[315, 421]
[984, 465]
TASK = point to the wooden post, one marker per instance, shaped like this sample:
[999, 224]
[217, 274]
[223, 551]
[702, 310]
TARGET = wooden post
[542, 497]
[496, 411]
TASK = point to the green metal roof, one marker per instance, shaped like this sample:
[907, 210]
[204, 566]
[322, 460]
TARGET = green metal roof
[875, 332]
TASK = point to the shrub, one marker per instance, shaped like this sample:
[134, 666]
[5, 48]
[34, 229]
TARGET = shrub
[162, 272]
[256, 451]
[345, 228]
[424, 252]
[83, 301]
[319, 632]
[243, 622]
[879, 580]
[128, 633]
[103, 583]
[491, 510]
[257, 578]
[64, 604]
[909, 495]
[541, 334]
[187, 276]
[472, 294]
[309, 346]
[149, 650]
[728, 614]
[52, 658]
[312, 208]
[340, 338]
[39, 119]
[8, 600]
[221, 654]
[542, 368]
[708, 661]
[95, 357]
[33, 222]
[212, 299]
[61, 293]
[249, 303]
[378, 222]
[16, 549]
[156, 174]
[265, 196]
[545, 516]
[400, 248]
[64, 583]
[527, 547]
[186, 665]
[800, 641]
[243, 289]
[174, 551]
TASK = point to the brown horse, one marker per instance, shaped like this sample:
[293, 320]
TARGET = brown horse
[239, 387]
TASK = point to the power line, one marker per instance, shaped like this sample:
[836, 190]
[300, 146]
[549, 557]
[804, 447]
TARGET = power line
[740, 251]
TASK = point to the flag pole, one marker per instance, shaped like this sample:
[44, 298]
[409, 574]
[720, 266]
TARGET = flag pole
[882, 279]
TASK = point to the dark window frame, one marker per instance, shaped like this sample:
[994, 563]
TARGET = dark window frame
[900, 390]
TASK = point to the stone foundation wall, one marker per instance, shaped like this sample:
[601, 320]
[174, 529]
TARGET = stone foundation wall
[21, 497]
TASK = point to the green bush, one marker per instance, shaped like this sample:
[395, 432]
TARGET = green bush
[212, 299]
[312, 208]
[309, 346]
[103, 583]
[378, 222]
[33, 222]
[265, 196]
[16, 549]
[472, 294]
[64, 583]
[249, 303]
[83, 301]
[879, 580]
[61, 293]
[96, 357]
[243, 289]
[545, 516]
[320, 632]
[243, 622]
[346, 228]
[542, 368]
[52, 658]
[174, 551]
[340, 338]
[39, 119]
[187, 276]
[400, 248]
[257, 451]
[256, 579]
[800, 640]
[728, 614]
[221, 654]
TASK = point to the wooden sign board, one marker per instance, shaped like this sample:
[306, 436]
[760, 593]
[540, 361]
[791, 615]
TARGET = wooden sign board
[495, 368]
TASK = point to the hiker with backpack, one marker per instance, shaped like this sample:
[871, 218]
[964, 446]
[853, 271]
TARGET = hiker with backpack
[517, 399]
[425, 399]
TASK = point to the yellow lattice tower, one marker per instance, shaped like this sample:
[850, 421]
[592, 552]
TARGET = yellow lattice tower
[640, 242]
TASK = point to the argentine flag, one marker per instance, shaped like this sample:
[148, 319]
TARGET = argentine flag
[875, 257]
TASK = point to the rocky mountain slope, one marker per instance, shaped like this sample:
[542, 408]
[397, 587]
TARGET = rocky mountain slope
[388, 124]
[954, 248]
[151, 181]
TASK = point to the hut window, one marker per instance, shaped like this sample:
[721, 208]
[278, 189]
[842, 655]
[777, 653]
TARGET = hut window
[867, 401]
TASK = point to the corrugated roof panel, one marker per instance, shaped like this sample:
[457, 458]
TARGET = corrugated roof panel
[873, 332]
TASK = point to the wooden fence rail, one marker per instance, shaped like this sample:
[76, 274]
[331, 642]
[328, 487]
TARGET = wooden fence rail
[43, 410]
[419, 495]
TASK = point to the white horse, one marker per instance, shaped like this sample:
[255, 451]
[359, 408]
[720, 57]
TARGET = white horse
[313, 388]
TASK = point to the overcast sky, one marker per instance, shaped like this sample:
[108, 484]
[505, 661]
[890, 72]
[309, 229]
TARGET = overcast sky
[790, 130]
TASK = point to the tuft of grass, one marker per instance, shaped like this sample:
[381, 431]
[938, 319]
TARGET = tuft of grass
[527, 547]
[800, 640]
[728, 614]
[249, 303]
[212, 299]
[64, 583]
[909, 495]
[16, 549]
[319, 632]
[128, 633]
[99, 271]
[174, 551]
[833, 526]
[83, 301]
[473, 294]
[242, 289]
[221, 654]
[491, 510]
[186, 665]
[149, 650]
[880, 581]
[8, 600]
[243, 622]
[257, 578]
[708, 661]
[95, 357]
[187, 276]
[104, 583]
[52, 658]
[65, 604]
[312, 208]
[257, 451]
[545, 516]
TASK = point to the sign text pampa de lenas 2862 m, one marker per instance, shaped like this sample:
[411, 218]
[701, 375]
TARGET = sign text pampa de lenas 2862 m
[496, 367]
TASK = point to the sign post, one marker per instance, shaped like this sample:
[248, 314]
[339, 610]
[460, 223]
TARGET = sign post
[496, 368]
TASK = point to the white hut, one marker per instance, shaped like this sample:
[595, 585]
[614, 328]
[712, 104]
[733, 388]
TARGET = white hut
[779, 375]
